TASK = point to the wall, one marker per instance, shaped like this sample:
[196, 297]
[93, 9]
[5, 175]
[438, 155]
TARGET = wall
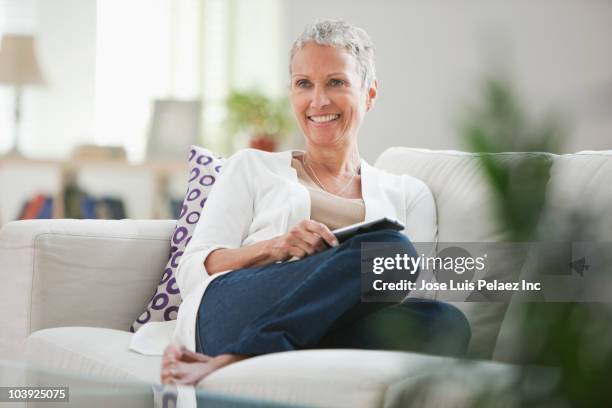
[58, 115]
[62, 113]
[430, 56]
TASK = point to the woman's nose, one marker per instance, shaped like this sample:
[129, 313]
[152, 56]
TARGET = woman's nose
[319, 98]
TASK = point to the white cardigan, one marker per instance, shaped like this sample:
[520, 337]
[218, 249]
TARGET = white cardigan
[258, 197]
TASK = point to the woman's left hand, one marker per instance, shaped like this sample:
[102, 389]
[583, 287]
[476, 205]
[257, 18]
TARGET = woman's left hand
[306, 238]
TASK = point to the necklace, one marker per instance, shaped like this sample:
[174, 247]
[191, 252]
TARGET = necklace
[316, 179]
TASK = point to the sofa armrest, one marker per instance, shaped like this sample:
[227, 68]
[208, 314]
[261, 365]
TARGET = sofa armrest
[77, 273]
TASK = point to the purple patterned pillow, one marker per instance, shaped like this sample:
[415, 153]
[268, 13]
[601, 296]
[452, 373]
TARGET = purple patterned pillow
[204, 169]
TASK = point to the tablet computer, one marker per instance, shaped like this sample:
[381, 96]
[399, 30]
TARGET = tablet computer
[344, 233]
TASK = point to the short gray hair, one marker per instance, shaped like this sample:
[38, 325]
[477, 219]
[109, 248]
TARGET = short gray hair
[340, 34]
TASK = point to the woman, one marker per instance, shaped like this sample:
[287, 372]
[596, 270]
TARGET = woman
[263, 272]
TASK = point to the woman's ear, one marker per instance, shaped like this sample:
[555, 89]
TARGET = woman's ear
[372, 93]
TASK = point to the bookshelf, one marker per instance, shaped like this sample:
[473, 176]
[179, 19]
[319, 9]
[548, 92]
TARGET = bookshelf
[145, 191]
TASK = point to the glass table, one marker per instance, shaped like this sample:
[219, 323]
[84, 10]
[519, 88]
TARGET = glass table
[25, 385]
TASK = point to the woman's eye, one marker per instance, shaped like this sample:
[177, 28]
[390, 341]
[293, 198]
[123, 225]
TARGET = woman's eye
[336, 82]
[302, 83]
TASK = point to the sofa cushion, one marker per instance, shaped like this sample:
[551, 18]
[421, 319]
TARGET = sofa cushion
[360, 378]
[338, 378]
[322, 378]
[91, 351]
[466, 213]
[204, 167]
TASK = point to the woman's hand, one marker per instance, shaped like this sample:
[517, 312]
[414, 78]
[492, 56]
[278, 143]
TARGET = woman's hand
[306, 238]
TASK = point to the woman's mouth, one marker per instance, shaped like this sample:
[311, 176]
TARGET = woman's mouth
[323, 119]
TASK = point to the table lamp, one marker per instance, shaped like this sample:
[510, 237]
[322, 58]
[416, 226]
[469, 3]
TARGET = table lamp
[19, 68]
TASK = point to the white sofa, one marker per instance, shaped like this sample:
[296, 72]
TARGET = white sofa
[71, 289]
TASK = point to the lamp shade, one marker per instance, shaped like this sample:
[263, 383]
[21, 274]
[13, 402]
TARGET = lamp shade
[18, 65]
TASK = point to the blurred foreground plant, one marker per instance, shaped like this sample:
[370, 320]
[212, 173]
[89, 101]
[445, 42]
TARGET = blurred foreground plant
[564, 348]
[572, 338]
[499, 125]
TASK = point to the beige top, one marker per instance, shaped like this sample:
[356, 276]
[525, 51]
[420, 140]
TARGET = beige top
[327, 208]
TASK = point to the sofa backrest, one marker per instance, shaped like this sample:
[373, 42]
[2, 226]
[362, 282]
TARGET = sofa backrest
[466, 213]
[96, 273]
[582, 183]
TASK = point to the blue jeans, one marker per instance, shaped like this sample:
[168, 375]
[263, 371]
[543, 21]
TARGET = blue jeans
[316, 303]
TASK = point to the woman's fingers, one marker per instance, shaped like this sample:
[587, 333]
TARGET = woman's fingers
[192, 357]
[166, 376]
[306, 238]
[310, 239]
[298, 250]
[322, 231]
[321, 244]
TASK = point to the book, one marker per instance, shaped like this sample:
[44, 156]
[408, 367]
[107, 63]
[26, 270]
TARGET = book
[110, 208]
[88, 207]
[117, 208]
[33, 208]
[72, 201]
[46, 211]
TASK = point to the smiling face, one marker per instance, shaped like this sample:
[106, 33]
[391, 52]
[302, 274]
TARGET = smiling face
[327, 95]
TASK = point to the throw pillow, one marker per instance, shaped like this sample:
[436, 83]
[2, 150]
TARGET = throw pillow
[204, 168]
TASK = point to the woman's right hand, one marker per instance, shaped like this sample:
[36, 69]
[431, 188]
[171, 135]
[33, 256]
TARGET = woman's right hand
[306, 238]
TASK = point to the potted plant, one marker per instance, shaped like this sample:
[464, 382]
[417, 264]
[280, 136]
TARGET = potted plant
[267, 120]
